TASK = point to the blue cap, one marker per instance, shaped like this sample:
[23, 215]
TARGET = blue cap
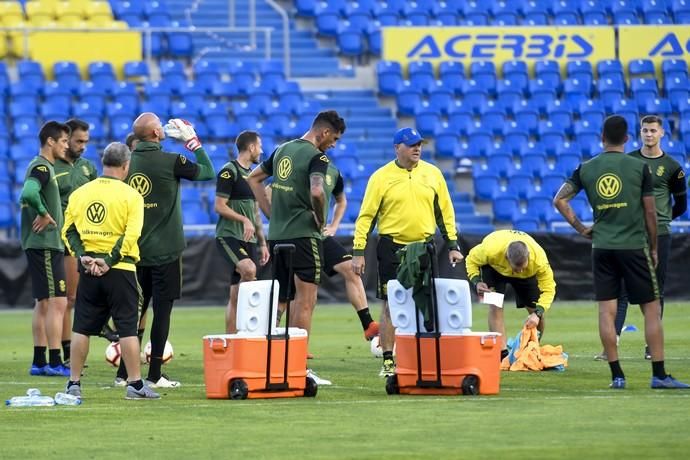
[407, 136]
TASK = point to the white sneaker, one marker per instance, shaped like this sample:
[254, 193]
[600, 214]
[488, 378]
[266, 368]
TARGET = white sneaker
[120, 382]
[317, 379]
[163, 382]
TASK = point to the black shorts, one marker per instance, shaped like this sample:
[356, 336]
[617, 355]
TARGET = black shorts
[163, 281]
[333, 254]
[388, 260]
[527, 291]
[115, 294]
[47, 271]
[634, 266]
[306, 262]
[234, 250]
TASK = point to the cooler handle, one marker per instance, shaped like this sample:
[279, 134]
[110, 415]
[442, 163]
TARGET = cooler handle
[212, 344]
[483, 340]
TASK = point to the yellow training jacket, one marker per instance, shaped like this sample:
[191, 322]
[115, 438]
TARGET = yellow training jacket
[406, 205]
[492, 251]
[104, 218]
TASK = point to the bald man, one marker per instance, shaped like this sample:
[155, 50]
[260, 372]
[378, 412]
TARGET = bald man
[156, 175]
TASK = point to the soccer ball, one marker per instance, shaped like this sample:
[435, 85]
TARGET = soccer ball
[375, 346]
[113, 354]
[167, 352]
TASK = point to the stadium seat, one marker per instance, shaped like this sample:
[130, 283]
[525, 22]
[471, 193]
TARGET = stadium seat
[486, 184]
[533, 164]
[136, 70]
[504, 206]
[658, 106]
[30, 73]
[501, 164]
[520, 184]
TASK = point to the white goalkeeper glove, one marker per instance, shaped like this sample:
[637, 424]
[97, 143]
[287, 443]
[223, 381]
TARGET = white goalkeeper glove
[184, 131]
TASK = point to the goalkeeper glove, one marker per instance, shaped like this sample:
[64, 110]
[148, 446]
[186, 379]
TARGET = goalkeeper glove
[184, 131]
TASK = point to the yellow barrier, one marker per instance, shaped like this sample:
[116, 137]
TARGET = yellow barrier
[498, 44]
[653, 42]
[85, 47]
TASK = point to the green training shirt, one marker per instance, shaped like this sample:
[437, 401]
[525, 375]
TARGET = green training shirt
[71, 176]
[615, 184]
[333, 184]
[156, 176]
[668, 178]
[41, 170]
[231, 184]
[291, 166]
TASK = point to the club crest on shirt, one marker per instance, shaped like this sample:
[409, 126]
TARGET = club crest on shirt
[96, 212]
[225, 175]
[284, 168]
[85, 170]
[660, 170]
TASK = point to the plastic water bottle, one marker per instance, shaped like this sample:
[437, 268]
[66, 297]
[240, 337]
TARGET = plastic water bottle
[30, 401]
[65, 399]
[33, 392]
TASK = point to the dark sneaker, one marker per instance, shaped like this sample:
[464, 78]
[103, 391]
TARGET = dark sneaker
[669, 383]
[145, 393]
[371, 331]
[57, 371]
[37, 370]
[388, 368]
[617, 384]
[74, 390]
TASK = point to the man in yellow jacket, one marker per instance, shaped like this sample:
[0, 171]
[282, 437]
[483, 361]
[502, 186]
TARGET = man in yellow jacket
[512, 257]
[103, 222]
[408, 199]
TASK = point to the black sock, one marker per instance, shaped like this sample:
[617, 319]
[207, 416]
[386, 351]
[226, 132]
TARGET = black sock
[66, 346]
[365, 318]
[54, 357]
[155, 369]
[504, 353]
[72, 382]
[137, 384]
[140, 335]
[616, 371]
[160, 328]
[387, 355]
[122, 370]
[40, 356]
[658, 369]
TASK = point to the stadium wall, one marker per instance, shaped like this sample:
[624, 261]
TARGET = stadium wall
[206, 275]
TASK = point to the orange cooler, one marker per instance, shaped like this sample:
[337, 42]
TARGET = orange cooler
[235, 366]
[470, 363]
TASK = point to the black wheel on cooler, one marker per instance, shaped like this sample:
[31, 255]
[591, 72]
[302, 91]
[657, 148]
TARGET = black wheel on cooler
[392, 387]
[311, 388]
[238, 389]
[470, 385]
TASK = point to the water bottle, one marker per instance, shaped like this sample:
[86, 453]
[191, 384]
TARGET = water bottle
[30, 401]
[33, 392]
[65, 399]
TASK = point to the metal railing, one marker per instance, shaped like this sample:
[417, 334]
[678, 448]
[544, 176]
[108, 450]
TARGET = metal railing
[147, 35]
[286, 36]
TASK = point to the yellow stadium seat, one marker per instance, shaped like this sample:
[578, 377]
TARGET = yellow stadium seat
[106, 23]
[70, 9]
[3, 45]
[98, 9]
[72, 22]
[41, 21]
[47, 2]
[35, 9]
[16, 43]
[11, 13]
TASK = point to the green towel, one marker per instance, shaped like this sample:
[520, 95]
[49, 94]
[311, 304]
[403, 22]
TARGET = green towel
[415, 272]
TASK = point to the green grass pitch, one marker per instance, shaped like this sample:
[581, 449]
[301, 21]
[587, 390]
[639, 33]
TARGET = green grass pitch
[569, 414]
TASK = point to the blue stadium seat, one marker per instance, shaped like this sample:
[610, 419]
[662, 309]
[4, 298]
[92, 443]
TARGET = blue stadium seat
[577, 89]
[126, 93]
[527, 120]
[494, 122]
[550, 183]
[533, 164]
[592, 110]
[158, 92]
[117, 108]
[101, 73]
[421, 75]
[501, 164]
[504, 206]
[446, 142]
[585, 127]
[427, 120]
[594, 14]
[389, 77]
[520, 184]
[482, 68]
[590, 144]
[486, 183]
[136, 69]
[566, 164]
[350, 40]
[306, 7]
[30, 73]
[408, 99]
[66, 73]
[579, 68]
[658, 106]
[609, 66]
[514, 139]
[673, 66]
[243, 76]
[677, 89]
[327, 19]
[459, 121]
[23, 93]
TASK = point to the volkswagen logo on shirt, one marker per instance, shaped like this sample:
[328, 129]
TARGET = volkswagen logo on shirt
[141, 183]
[96, 212]
[284, 168]
[609, 186]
